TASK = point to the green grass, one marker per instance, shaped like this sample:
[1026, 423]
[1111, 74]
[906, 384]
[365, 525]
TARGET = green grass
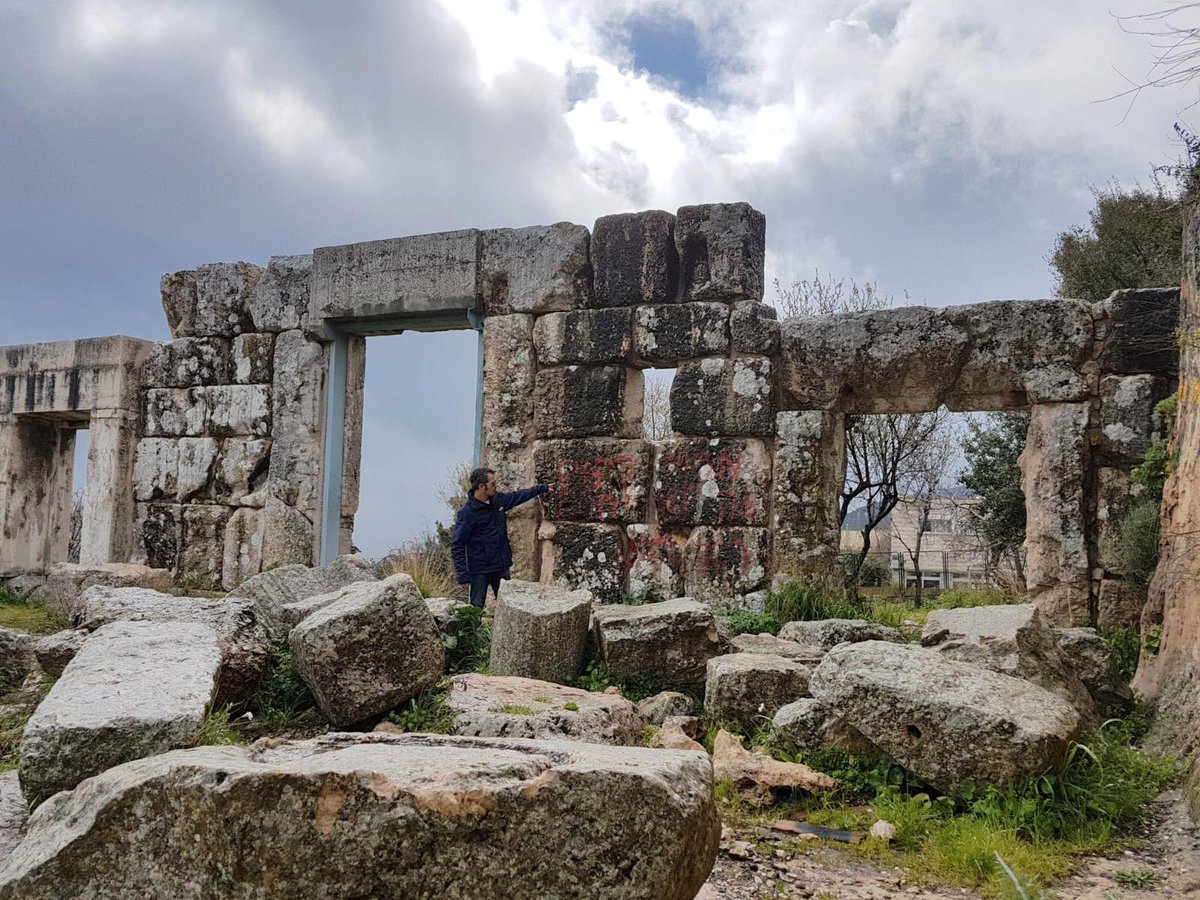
[28, 615]
[1137, 878]
[514, 709]
[427, 712]
[219, 730]
[282, 698]
[598, 679]
[798, 601]
[744, 622]
[1124, 648]
[571, 706]
[13, 725]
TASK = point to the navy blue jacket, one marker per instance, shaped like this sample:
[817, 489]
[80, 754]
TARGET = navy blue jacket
[480, 543]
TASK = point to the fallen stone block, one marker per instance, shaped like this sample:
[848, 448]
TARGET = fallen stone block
[17, 658]
[242, 639]
[66, 582]
[509, 707]
[377, 815]
[1087, 655]
[810, 727]
[14, 813]
[373, 646]
[809, 654]
[947, 722]
[664, 705]
[273, 590]
[670, 642]
[828, 633]
[743, 686]
[1009, 639]
[672, 737]
[758, 777]
[54, 651]
[540, 631]
[134, 689]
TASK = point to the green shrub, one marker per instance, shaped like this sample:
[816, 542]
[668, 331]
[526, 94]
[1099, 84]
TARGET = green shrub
[744, 622]
[219, 730]
[1152, 642]
[799, 601]
[282, 696]
[1136, 547]
[595, 679]
[1151, 473]
[972, 596]
[427, 712]
[468, 641]
[1124, 648]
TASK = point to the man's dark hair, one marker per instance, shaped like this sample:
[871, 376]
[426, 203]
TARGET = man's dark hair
[479, 478]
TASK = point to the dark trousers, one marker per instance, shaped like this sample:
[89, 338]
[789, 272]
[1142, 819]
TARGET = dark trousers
[480, 585]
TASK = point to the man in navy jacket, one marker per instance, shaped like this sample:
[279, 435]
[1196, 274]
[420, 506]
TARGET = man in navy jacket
[480, 549]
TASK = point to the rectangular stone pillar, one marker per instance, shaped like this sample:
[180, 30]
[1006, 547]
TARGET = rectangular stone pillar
[108, 503]
[809, 468]
[37, 458]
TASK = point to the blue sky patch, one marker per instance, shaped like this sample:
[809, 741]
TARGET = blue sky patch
[668, 48]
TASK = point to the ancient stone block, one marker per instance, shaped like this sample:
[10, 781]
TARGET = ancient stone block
[176, 412]
[242, 556]
[241, 470]
[277, 588]
[719, 481]
[66, 582]
[1120, 604]
[740, 687]
[777, 646]
[239, 409]
[173, 469]
[54, 651]
[670, 642]
[723, 397]
[655, 561]
[724, 562]
[1127, 422]
[202, 542]
[508, 382]
[753, 328]
[222, 294]
[635, 260]
[1115, 493]
[252, 355]
[17, 657]
[188, 362]
[586, 401]
[825, 634]
[583, 336]
[280, 300]
[668, 334]
[160, 531]
[288, 535]
[594, 479]
[540, 269]
[540, 631]
[1087, 655]
[584, 556]
[296, 427]
[178, 291]
[721, 251]
[1142, 332]
[808, 472]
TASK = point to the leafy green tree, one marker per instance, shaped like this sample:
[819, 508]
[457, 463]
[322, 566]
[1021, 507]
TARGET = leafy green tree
[991, 450]
[1132, 241]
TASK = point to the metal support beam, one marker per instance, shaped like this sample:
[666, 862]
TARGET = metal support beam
[335, 442]
[476, 321]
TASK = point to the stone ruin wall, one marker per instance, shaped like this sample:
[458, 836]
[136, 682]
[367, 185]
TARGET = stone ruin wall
[229, 416]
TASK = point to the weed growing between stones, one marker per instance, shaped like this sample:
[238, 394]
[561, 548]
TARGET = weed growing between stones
[744, 622]
[20, 706]
[513, 709]
[571, 706]
[220, 729]
[798, 601]
[468, 641]
[428, 563]
[26, 614]
[282, 697]
[1124, 648]
[427, 712]
[598, 679]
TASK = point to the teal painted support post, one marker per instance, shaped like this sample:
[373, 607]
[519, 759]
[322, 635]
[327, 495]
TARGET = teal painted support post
[476, 321]
[335, 442]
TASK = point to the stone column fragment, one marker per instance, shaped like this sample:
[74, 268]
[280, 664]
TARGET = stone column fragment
[810, 463]
[540, 632]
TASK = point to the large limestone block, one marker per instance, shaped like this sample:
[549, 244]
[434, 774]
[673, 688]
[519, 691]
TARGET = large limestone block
[210, 301]
[511, 707]
[54, 651]
[241, 635]
[202, 545]
[176, 412]
[715, 396]
[655, 560]
[14, 813]
[1086, 654]
[159, 534]
[279, 301]
[251, 356]
[668, 334]
[587, 401]
[240, 470]
[721, 248]
[634, 258]
[722, 562]
[1127, 420]
[173, 469]
[539, 269]
[669, 642]
[188, 362]
[722, 481]
[134, 689]
[948, 722]
[808, 654]
[540, 631]
[828, 633]
[350, 815]
[583, 336]
[67, 582]
[585, 556]
[17, 658]
[370, 649]
[594, 480]
[273, 590]
[242, 556]
[239, 409]
[1142, 334]
[297, 423]
[288, 536]
[742, 686]
[754, 328]
[811, 727]
[809, 465]
[1012, 640]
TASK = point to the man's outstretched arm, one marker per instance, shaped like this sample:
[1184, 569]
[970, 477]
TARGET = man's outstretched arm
[516, 498]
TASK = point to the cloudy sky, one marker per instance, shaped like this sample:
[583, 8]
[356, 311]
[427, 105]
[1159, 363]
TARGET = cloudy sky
[936, 146]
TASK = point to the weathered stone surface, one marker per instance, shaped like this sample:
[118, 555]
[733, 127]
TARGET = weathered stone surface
[176, 412]
[724, 562]
[202, 531]
[670, 641]
[178, 291]
[273, 590]
[809, 654]
[809, 466]
[1053, 475]
[16, 657]
[828, 633]
[594, 480]
[289, 535]
[134, 689]
[241, 470]
[280, 299]
[812, 727]
[372, 647]
[386, 815]
[509, 707]
[66, 582]
[757, 776]
[239, 409]
[721, 251]
[443, 610]
[672, 737]
[754, 328]
[1115, 493]
[14, 813]
[241, 556]
[1010, 639]
[723, 481]
[240, 632]
[222, 298]
[296, 427]
[540, 631]
[655, 561]
[635, 260]
[1142, 334]
[584, 336]
[716, 396]
[669, 334]
[188, 362]
[1086, 654]
[1120, 604]
[945, 721]
[540, 269]
[1127, 421]
[742, 686]
[586, 401]
[252, 355]
[657, 709]
[158, 540]
[54, 651]
[584, 556]
[175, 469]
